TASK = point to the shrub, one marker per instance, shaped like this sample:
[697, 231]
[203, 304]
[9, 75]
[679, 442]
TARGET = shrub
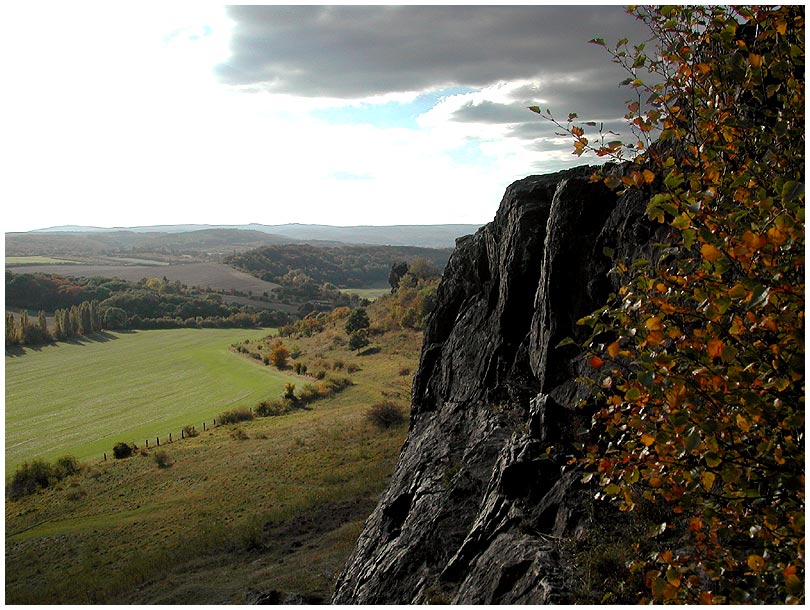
[190, 431]
[270, 408]
[385, 414]
[320, 374]
[239, 434]
[289, 391]
[161, 458]
[279, 356]
[235, 416]
[40, 474]
[404, 371]
[352, 368]
[122, 450]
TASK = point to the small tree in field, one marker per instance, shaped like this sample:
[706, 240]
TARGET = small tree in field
[358, 320]
[279, 356]
[700, 356]
[358, 340]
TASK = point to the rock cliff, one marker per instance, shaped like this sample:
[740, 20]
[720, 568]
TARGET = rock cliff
[482, 493]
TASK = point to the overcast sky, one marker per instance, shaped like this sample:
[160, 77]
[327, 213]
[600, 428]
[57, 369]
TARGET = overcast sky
[127, 115]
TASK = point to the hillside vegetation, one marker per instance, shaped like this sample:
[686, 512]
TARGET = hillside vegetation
[268, 504]
[345, 266]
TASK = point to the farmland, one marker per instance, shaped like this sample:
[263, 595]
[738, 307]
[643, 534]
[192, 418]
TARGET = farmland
[204, 275]
[82, 397]
[275, 503]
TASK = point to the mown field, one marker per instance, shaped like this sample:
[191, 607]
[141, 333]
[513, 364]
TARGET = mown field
[83, 397]
[204, 275]
[273, 504]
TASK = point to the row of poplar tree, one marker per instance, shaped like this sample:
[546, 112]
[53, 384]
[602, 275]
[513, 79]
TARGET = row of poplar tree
[78, 320]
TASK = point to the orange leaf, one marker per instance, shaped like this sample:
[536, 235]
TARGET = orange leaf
[710, 253]
[755, 60]
[613, 349]
[756, 562]
[648, 176]
[647, 439]
[595, 361]
[715, 348]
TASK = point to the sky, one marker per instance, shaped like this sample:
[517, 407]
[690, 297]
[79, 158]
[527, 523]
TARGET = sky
[130, 114]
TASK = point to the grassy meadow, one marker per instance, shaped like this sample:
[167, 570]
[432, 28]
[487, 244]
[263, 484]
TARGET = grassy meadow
[275, 503]
[82, 397]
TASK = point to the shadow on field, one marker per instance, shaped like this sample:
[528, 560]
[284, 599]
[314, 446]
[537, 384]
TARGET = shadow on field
[99, 337]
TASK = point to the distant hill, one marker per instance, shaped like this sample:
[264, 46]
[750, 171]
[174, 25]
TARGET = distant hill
[426, 236]
[348, 266]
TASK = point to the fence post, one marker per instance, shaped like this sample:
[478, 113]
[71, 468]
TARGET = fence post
[182, 434]
[158, 440]
[170, 437]
[105, 456]
[147, 443]
[203, 426]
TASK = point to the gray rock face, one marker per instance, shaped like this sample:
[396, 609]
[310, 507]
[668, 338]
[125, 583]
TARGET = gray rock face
[481, 492]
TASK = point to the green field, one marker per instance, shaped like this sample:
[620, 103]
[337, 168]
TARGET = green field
[35, 260]
[81, 398]
[367, 293]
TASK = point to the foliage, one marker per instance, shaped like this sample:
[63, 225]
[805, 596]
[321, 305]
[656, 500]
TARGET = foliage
[30, 477]
[161, 458]
[346, 266]
[189, 432]
[234, 416]
[700, 356]
[122, 450]
[358, 320]
[358, 340]
[279, 355]
[385, 414]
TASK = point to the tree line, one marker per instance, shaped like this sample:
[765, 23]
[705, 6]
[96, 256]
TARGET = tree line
[148, 304]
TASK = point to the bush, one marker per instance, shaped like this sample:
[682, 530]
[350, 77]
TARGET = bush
[385, 414]
[352, 368]
[235, 416]
[122, 450]
[161, 458]
[271, 408]
[404, 371]
[239, 434]
[189, 432]
[40, 474]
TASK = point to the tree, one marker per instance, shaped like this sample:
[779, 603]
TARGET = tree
[358, 320]
[279, 355]
[42, 323]
[702, 375]
[358, 339]
[114, 318]
[12, 334]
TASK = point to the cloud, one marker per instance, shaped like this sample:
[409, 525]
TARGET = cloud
[355, 52]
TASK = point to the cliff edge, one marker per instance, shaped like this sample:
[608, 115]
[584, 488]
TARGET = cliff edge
[482, 492]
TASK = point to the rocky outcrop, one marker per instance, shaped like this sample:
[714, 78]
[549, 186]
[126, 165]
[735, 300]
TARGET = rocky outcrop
[482, 493]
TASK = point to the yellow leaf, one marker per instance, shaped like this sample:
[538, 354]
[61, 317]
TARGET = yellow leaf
[710, 253]
[653, 323]
[743, 423]
[648, 176]
[707, 478]
[755, 60]
[756, 562]
[781, 27]
[647, 439]
[613, 349]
